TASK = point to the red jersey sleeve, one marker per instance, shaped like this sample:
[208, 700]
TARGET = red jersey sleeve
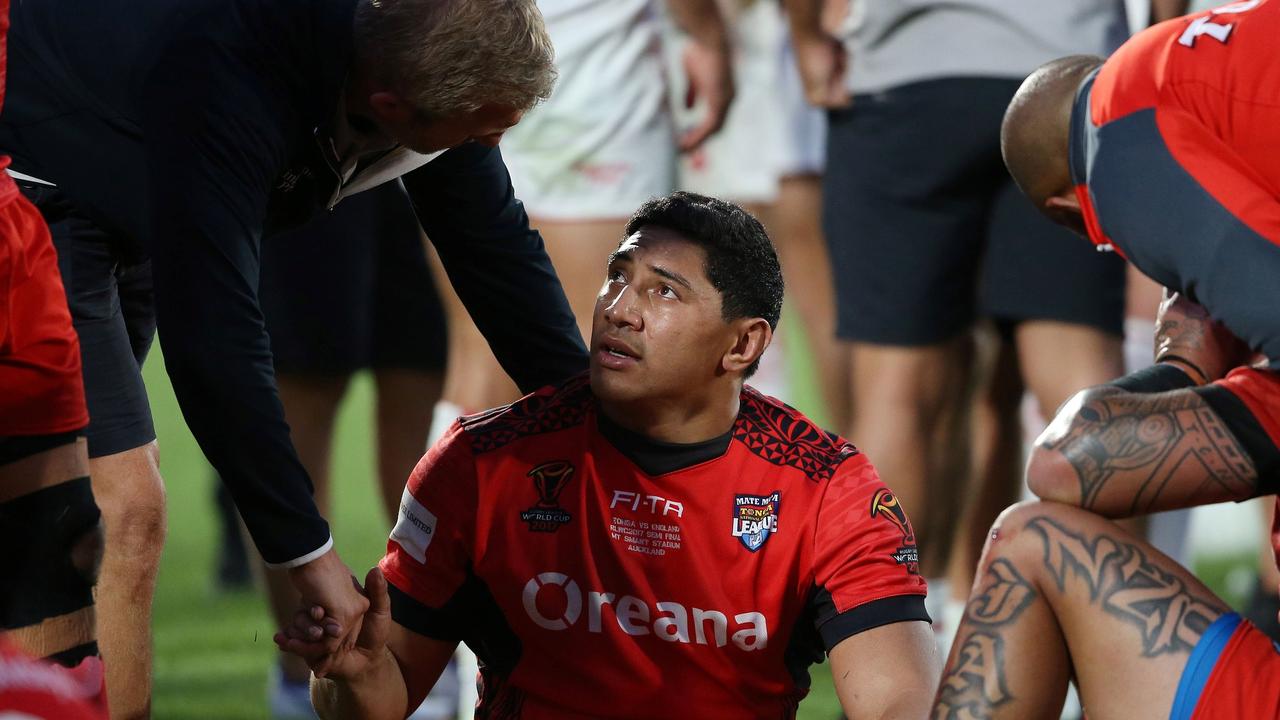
[866, 562]
[428, 560]
[1248, 402]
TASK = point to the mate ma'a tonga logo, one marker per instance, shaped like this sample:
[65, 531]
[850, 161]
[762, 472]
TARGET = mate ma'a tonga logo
[755, 518]
[549, 479]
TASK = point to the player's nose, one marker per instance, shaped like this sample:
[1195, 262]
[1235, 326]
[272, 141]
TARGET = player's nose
[621, 310]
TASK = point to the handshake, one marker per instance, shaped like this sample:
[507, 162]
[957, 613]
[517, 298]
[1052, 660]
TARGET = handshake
[339, 629]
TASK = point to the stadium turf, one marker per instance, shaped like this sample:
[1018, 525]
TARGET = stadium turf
[213, 650]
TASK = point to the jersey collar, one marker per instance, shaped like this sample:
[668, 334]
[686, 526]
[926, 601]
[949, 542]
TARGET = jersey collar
[1080, 148]
[655, 457]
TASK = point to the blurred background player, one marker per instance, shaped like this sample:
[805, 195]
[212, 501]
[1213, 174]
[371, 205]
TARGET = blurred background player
[349, 291]
[653, 539]
[174, 147]
[768, 158]
[50, 526]
[928, 235]
[604, 143]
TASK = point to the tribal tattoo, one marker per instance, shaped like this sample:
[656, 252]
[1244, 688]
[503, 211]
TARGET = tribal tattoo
[1124, 582]
[1136, 444]
[976, 683]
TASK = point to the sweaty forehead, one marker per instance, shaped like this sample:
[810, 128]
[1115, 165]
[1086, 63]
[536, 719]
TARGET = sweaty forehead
[656, 244]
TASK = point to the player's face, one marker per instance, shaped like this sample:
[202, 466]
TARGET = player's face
[657, 332]
[485, 126]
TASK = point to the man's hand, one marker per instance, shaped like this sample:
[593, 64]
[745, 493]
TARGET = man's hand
[334, 605]
[347, 662]
[1187, 337]
[823, 66]
[709, 74]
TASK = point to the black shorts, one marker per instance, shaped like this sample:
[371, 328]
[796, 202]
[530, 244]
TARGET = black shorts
[113, 311]
[927, 231]
[335, 324]
[352, 290]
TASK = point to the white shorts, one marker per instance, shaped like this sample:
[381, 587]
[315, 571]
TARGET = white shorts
[605, 141]
[771, 131]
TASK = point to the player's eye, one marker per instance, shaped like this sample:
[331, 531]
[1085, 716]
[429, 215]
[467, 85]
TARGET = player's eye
[616, 275]
[667, 291]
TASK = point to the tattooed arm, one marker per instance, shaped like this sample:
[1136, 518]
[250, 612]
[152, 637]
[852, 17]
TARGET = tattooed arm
[1153, 441]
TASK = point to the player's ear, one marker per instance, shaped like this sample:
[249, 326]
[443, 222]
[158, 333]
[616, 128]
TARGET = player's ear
[752, 336]
[1065, 202]
[390, 109]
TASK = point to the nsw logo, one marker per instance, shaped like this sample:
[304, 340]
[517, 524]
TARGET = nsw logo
[755, 518]
[549, 479]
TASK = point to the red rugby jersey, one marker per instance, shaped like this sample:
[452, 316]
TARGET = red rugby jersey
[1212, 87]
[599, 574]
[8, 189]
[37, 690]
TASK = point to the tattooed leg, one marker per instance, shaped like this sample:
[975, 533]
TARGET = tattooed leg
[1009, 659]
[1062, 591]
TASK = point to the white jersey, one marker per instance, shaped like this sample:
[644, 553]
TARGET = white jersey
[771, 132]
[605, 142]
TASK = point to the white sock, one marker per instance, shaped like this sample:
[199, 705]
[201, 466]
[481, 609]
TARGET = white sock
[946, 626]
[442, 416]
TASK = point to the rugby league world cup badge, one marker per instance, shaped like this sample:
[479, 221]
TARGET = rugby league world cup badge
[549, 479]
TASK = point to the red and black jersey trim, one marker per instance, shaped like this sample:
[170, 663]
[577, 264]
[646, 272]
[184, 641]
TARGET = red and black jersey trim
[1248, 432]
[834, 627]
[548, 410]
[783, 436]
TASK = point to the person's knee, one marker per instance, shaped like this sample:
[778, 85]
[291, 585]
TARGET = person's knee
[56, 534]
[131, 494]
[1008, 537]
[1051, 476]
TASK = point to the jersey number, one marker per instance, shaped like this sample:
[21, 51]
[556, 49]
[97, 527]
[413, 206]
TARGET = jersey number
[1217, 31]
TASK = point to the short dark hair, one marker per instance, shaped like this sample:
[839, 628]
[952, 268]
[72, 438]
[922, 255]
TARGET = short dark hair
[741, 261]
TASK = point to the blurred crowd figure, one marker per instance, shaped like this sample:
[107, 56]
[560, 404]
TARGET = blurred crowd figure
[955, 297]
[944, 318]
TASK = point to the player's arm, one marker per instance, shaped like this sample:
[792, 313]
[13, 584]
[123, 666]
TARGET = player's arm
[820, 56]
[213, 147]
[707, 64]
[900, 681]
[389, 671]
[422, 606]
[869, 601]
[1165, 437]
[497, 264]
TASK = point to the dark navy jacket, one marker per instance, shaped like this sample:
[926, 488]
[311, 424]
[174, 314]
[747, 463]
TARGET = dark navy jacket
[189, 130]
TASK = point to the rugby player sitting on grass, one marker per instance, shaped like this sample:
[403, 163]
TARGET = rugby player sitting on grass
[1159, 154]
[651, 539]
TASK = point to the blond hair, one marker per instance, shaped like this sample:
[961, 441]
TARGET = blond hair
[453, 56]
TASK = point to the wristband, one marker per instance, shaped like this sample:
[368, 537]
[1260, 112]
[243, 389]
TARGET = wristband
[1160, 377]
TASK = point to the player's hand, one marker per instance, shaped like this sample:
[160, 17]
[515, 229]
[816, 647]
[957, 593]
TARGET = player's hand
[347, 662]
[823, 65]
[1187, 337]
[709, 73]
[334, 606]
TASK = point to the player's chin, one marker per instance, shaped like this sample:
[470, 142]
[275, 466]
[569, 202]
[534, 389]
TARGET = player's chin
[616, 385]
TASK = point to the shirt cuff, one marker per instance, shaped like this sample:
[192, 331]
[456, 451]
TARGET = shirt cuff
[304, 559]
[885, 611]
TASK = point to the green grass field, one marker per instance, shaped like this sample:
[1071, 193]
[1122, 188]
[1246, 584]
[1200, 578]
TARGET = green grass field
[213, 650]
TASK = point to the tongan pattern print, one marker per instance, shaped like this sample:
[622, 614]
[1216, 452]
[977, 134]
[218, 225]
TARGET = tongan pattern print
[784, 437]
